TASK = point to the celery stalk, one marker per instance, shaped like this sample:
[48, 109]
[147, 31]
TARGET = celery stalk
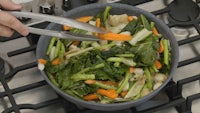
[139, 36]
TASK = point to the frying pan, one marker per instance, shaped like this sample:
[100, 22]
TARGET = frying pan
[93, 9]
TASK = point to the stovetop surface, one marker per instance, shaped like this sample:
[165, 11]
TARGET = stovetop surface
[24, 86]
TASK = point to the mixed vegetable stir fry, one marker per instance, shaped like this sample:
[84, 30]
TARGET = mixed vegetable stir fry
[130, 61]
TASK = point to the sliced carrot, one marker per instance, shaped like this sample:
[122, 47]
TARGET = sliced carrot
[98, 22]
[42, 61]
[130, 18]
[56, 61]
[158, 64]
[123, 93]
[109, 83]
[111, 93]
[161, 48]
[90, 81]
[114, 36]
[104, 82]
[91, 97]
[155, 32]
[84, 19]
[76, 43]
[131, 69]
[103, 28]
[66, 28]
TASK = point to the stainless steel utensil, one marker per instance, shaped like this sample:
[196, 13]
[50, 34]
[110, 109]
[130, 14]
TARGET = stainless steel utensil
[63, 21]
[62, 34]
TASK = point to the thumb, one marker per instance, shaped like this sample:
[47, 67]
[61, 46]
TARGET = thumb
[9, 5]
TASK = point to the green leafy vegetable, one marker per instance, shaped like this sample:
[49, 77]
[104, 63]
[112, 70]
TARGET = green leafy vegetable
[145, 22]
[131, 26]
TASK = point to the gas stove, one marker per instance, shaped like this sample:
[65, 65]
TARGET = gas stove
[23, 89]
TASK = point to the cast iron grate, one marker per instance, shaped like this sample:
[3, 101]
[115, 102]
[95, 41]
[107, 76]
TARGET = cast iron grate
[173, 89]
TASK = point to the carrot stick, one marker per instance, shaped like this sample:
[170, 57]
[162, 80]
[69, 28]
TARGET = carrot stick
[42, 61]
[56, 61]
[98, 22]
[91, 97]
[109, 83]
[90, 81]
[158, 64]
[84, 19]
[155, 32]
[131, 69]
[130, 18]
[123, 93]
[76, 43]
[66, 28]
[111, 93]
[114, 36]
[161, 48]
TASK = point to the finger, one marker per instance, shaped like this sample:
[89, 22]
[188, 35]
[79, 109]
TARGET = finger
[10, 21]
[8, 4]
[5, 31]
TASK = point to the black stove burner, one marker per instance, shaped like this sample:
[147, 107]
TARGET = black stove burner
[184, 10]
[1, 65]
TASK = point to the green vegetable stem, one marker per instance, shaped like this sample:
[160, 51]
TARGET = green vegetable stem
[52, 79]
[62, 51]
[145, 22]
[104, 86]
[52, 42]
[101, 65]
[149, 80]
[126, 61]
[78, 77]
[106, 13]
[166, 51]
[124, 82]
[125, 55]
[79, 52]
[58, 47]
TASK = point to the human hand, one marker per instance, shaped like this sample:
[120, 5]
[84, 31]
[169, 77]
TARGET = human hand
[9, 23]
